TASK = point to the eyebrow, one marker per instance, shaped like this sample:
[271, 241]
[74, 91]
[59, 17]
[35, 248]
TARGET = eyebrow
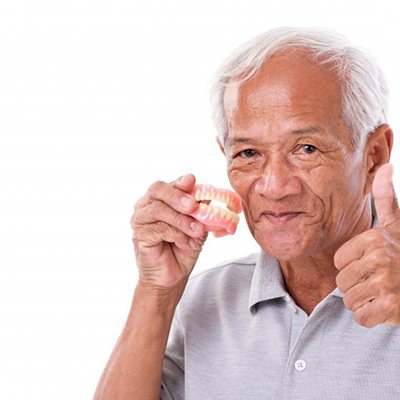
[307, 130]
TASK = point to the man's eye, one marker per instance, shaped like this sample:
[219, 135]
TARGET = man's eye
[308, 148]
[248, 153]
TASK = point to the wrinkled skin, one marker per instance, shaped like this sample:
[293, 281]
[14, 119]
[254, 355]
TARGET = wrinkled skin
[369, 264]
[305, 193]
[167, 239]
[305, 189]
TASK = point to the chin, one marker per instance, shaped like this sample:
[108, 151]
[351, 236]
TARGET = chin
[286, 245]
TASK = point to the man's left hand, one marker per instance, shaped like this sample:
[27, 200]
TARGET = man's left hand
[369, 263]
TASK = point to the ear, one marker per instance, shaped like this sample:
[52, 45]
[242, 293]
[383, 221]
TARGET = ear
[221, 146]
[377, 152]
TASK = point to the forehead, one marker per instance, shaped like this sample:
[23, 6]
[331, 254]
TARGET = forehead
[289, 87]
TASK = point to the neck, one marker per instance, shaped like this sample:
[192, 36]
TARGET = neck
[310, 279]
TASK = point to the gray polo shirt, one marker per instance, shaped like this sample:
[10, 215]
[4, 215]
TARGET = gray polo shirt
[237, 334]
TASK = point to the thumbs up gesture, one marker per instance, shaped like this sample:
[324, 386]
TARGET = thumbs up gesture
[369, 263]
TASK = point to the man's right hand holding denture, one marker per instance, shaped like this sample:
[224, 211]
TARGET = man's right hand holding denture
[167, 239]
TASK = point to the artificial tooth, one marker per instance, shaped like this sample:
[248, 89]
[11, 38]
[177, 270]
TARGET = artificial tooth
[203, 206]
[211, 192]
[228, 215]
[223, 212]
[217, 211]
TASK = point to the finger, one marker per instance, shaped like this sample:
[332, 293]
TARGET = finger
[176, 198]
[384, 197]
[185, 182]
[373, 262]
[153, 234]
[158, 211]
[352, 250]
[354, 273]
[359, 295]
[370, 314]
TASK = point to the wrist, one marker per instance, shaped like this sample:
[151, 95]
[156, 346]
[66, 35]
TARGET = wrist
[160, 298]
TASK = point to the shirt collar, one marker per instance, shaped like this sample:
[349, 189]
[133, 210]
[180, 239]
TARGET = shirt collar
[267, 282]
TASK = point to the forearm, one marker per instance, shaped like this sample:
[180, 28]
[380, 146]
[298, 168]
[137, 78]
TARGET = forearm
[135, 367]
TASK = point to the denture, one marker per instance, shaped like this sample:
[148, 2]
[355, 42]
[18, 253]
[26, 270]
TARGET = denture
[218, 220]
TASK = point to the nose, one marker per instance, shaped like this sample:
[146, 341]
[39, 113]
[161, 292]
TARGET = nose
[278, 180]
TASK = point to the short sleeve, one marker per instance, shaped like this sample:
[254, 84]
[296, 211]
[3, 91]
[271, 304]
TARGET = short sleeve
[172, 383]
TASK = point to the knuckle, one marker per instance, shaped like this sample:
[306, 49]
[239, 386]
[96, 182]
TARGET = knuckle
[138, 233]
[162, 191]
[378, 259]
[135, 234]
[134, 220]
[153, 208]
[139, 204]
[179, 220]
[137, 207]
[161, 228]
[348, 301]
[155, 187]
[363, 319]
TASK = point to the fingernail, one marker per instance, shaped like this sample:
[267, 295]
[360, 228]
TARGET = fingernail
[181, 178]
[194, 226]
[186, 201]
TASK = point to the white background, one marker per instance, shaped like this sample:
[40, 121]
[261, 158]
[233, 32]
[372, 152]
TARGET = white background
[98, 99]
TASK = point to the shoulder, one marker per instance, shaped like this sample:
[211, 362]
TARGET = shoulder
[229, 269]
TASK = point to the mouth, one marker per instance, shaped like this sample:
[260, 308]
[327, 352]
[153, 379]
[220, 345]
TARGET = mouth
[211, 211]
[281, 218]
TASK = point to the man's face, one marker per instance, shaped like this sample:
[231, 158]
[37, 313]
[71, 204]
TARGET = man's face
[290, 157]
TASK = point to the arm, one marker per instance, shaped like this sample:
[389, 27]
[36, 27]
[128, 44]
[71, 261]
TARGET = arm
[135, 366]
[166, 249]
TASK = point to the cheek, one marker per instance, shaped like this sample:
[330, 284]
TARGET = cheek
[325, 180]
[241, 182]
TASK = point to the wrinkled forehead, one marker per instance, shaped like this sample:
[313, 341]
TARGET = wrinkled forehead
[290, 79]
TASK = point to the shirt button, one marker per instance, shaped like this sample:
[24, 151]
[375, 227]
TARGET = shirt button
[300, 365]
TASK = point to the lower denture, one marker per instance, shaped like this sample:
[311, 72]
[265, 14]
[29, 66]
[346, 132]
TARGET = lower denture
[220, 221]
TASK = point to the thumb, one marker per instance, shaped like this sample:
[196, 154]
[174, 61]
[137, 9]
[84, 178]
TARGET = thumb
[185, 182]
[384, 197]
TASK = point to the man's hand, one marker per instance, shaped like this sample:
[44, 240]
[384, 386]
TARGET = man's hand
[369, 263]
[167, 240]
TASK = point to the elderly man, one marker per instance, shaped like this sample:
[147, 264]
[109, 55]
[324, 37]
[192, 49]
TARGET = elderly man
[315, 315]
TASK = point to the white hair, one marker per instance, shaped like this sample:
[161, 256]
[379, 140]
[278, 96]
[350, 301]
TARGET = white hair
[364, 88]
